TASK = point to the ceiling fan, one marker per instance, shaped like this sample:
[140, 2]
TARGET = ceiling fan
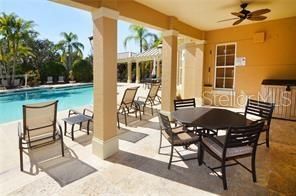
[246, 14]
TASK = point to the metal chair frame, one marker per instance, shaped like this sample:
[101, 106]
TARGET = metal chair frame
[23, 131]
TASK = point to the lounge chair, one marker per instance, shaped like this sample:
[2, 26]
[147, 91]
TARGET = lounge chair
[238, 143]
[61, 79]
[176, 137]
[39, 128]
[150, 99]
[17, 82]
[4, 82]
[49, 80]
[128, 105]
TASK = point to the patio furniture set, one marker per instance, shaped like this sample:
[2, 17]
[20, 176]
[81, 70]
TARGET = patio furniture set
[201, 126]
[40, 125]
[193, 125]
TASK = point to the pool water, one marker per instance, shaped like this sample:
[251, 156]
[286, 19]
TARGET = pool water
[69, 97]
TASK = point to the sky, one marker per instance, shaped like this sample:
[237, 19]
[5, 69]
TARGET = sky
[51, 19]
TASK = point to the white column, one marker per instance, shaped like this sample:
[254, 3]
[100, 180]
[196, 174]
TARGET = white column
[138, 74]
[169, 70]
[129, 72]
[105, 141]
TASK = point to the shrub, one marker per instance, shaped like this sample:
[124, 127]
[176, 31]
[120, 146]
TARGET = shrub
[54, 69]
[82, 71]
[33, 78]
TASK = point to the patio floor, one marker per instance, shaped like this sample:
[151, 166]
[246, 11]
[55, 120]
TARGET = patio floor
[137, 169]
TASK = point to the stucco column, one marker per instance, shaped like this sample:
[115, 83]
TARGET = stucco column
[193, 70]
[158, 68]
[129, 72]
[105, 141]
[169, 70]
[138, 74]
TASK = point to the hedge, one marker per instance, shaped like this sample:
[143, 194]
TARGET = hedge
[54, 69]
[82, 71]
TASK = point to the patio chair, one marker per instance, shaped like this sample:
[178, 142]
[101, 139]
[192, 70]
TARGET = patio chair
[150, 99]
[49, 80]
[61, 79]
[17, 82]
[4, 82]
[183, 104]
[239, 142]
[39, 128]
[128, 105]
[176, 137]
[262, 110]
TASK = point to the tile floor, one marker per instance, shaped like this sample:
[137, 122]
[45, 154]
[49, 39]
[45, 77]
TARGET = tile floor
[137, 169]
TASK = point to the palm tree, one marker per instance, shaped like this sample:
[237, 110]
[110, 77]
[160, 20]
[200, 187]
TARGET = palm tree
[13, 33]
[140, 35]
[70, 48]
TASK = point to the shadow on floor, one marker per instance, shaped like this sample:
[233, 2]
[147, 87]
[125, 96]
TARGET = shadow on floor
[191, 174]
[64, 170]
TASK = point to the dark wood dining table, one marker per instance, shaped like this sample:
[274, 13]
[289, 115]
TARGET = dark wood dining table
[210, 118]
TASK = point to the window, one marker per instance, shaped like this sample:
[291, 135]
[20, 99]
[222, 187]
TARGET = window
[224, 66]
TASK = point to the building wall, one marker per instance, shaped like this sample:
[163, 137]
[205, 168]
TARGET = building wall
[274, 58]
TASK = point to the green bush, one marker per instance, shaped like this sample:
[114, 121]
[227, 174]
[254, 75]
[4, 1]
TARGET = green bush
[54, 69]
[82, 71]
[33, 78]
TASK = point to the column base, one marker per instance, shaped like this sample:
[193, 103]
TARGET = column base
[129, 81]
[137, 81]
[105, 149]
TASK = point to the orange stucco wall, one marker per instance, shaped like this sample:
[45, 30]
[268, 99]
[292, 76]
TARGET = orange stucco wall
[275, 58]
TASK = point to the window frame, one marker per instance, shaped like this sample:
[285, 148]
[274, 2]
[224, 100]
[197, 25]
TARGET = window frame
[225, 66]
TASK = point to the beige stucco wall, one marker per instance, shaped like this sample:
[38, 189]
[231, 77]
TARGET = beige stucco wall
[275, 58]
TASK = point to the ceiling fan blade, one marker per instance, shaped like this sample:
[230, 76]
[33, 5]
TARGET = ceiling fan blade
[257, 18]
[259, 12]
[227, 19]
[238, 14]
[238, 21]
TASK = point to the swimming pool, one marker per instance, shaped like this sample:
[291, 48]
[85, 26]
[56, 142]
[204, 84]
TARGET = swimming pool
[69, 97]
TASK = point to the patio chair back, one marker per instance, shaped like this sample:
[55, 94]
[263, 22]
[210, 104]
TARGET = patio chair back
[17, 82]
[39, 120]
[164, 123]
[4, 82]
[184, 103]
[153, 91]
[244, 136]
[260, 109]
[49, 79]
[61, 79]
[129, 97]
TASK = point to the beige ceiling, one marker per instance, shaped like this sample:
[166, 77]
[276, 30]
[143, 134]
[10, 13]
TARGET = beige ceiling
[204, 14]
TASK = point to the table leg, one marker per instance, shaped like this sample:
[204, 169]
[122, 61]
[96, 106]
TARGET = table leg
[65, 125]
[88, 127]
[72, 132]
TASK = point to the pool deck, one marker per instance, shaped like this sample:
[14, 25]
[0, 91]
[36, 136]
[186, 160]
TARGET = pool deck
[46, 86]
[137, 169]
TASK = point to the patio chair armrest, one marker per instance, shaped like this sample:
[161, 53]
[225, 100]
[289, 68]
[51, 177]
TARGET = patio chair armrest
[59, 128]
[19, 130]
[88, 112]
[71, 112]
